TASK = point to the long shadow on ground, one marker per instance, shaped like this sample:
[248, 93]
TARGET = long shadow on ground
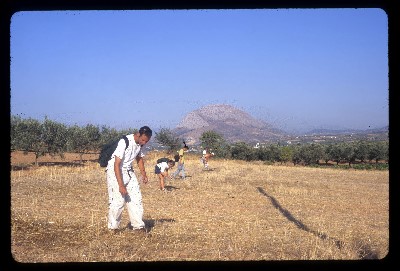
[150, 223]
[298, 223]
[364, 253]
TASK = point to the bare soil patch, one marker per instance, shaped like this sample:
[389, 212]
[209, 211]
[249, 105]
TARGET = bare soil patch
[19, 159]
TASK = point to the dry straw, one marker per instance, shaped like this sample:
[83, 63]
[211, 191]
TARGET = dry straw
[235, 211]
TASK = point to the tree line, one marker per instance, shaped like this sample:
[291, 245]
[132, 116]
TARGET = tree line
[299, 154]
[54, 138]
[316, 153]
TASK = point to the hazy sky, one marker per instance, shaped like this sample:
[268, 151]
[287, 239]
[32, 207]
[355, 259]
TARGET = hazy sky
[298, 69]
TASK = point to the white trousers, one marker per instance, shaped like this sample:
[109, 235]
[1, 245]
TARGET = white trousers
[116, 202]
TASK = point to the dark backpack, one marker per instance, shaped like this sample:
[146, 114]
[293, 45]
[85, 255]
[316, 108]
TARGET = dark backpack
[176, 157]
[108, 149]
[162, 160]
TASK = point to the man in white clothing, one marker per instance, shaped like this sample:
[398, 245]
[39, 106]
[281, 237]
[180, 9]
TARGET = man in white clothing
[123, 186]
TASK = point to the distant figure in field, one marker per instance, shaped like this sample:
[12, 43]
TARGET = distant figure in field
[161, 169]
[181, 162]
[206, 157]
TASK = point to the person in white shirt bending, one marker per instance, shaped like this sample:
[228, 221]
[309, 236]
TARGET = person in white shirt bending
[161, 169]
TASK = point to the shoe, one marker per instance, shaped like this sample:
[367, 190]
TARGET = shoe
[141, 231]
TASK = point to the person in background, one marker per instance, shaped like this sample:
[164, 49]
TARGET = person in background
[122, 184]
[181, 163]
[206, 157]
[203, 157]
[161, 169]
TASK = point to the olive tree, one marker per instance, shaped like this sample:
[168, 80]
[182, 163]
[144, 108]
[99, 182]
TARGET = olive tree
[54, 136]
[334, 152]
[361, 150]
[215, 142]
[83, 140]
[27, 136]
[108, 134]
[378, 151]
[242, 151]
[40, 138]
[168, 138]
[312, 153]
[286, 154]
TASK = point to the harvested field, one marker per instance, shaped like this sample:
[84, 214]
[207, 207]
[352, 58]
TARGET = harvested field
[237, 211]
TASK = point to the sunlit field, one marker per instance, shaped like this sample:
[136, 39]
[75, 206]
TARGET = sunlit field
[235, 211]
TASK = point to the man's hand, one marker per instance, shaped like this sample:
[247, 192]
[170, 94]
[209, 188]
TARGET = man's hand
[145, 179]
[122, 190]
[140, 163]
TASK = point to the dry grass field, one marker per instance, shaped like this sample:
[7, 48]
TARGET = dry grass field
[236, 211]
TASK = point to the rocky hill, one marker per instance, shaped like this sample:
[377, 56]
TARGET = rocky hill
[233, 124]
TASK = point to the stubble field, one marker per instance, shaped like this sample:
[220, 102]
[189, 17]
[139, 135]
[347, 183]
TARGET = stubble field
[236, 211]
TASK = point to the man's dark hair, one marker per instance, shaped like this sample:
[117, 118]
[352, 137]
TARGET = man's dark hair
[146, 130]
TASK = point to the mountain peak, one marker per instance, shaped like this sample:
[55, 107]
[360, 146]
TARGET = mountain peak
[232, 123]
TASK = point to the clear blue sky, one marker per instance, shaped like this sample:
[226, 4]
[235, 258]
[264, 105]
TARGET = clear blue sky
[298, 69]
